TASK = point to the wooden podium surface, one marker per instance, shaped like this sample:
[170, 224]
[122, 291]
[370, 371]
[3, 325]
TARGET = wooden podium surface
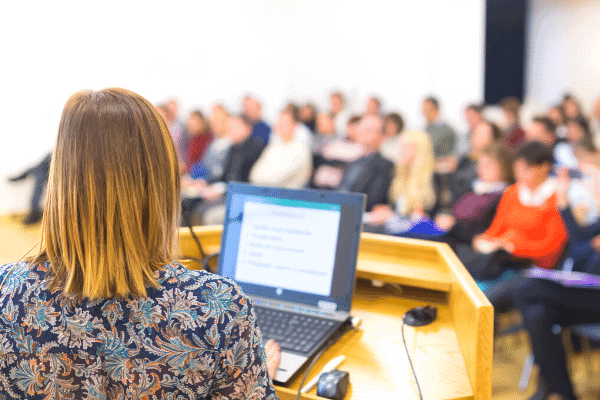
[452, 356]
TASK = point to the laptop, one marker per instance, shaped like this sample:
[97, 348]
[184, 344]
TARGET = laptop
[293, 252]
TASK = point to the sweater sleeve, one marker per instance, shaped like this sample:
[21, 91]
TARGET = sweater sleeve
[499, 222]
[552, 242]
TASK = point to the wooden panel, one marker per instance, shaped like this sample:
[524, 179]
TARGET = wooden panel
[474, 324]
[376, 358]
[408, 262]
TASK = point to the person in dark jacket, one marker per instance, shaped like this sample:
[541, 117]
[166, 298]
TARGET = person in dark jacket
[371, 174]
[201, 195]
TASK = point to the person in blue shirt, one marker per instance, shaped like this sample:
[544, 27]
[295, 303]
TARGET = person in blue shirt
[260, 130]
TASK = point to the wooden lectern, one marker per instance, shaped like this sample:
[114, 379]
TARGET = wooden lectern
[452, 356]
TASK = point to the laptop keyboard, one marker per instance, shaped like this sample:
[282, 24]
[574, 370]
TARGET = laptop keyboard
[295, 332]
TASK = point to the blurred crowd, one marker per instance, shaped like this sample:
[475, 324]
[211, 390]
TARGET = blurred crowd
[508, 199]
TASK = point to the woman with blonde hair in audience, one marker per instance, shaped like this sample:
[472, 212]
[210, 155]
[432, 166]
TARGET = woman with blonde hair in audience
[218, 120]
[104, 310]
[411, 191]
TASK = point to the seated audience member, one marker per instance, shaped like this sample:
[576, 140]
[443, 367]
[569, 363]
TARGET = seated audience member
[578, 131]
[352, 128]
[595, 123]
[543, 130]
[324, 133]
[411, 191]
[513, 133]
[571, 107]
[286, 162]
[393, 124]
[213, 162]
[460, 181]
[308, 116]
[473, 213]
[373, 107]
[200, 137]
[218, 120]
[473, 116]
[584, 187]
[170, 113]
[557, 115]
[40, 174]
[370, 174]
[443, 137]
[341, 114]
[301, 132]
[527, 224]
[331, 159]
[260, 130]
[545, 303]
[93, 313]
[204, 197]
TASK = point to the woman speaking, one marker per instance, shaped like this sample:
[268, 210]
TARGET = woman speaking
[103, 311]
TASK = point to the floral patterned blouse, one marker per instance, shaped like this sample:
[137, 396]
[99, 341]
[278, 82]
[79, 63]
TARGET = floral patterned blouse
[193, 337]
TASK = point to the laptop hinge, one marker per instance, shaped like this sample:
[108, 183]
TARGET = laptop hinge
[326, 309]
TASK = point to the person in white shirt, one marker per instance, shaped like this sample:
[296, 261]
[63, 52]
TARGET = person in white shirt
[543, 130]
[341, 114]
[287, 161]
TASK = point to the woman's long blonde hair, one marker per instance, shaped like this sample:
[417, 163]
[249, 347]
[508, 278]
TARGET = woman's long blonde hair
[113, 206]
[415, 181]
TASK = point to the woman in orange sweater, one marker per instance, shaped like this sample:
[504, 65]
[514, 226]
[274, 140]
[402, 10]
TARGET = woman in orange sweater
[528, 224]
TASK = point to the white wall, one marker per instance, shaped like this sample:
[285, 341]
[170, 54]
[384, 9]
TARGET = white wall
[563, 52]
[210, 51]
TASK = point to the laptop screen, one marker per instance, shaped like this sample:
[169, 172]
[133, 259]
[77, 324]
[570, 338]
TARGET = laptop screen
[292, 245]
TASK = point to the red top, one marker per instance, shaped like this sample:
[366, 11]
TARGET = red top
[537, 233]
[197, 148]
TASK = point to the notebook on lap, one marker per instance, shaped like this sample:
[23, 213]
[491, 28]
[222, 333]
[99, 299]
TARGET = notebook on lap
[293, 252]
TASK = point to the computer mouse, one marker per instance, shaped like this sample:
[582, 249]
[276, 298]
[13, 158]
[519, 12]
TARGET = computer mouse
[333, 385]
[420, 316]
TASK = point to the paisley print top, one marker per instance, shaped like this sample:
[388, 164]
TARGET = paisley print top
[193, 337]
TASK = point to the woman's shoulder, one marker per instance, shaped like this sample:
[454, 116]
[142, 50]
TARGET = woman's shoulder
[16, 273]
[511, 191]
[201, 285]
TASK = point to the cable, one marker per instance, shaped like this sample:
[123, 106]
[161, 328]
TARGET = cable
[205, 258]
[346, 327]
[188, 223]
[310, 366]
[410, 361]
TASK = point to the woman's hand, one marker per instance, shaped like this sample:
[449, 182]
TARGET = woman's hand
[445, 221]
[273, 357]
[380, 214]
[485, 246]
